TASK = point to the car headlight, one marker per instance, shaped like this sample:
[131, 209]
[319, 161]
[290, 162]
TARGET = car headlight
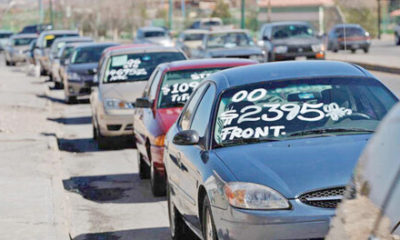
[73, 76]
[167, 43]
[258, 58]
[318, 47]
[117, 104]
[280, 49]
[254, 196]
[159, 141]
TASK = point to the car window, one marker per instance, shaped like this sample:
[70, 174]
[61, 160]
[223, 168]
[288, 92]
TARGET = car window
[154, 85]
[301, 108]
[87, 54]
[22, 41]
[177, 86]
[188, 112]
[201, 117]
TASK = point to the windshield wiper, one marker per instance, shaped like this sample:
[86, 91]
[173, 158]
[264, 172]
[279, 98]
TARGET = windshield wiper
[330, 130]
[240, 141]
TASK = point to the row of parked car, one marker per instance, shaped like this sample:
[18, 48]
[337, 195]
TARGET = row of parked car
[242, 150]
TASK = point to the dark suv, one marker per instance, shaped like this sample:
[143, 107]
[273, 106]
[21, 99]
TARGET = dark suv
[289, 40]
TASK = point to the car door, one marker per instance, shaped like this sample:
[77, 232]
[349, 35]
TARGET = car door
[191, 156]
[144, 117]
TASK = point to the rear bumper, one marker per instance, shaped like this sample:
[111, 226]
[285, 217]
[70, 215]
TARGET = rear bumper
[300, 222]
[157, 154]
[354, 45]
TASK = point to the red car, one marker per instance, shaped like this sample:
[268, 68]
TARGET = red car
[164, 96]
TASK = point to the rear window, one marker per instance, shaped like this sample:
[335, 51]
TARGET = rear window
[300, 108]
[137, 66]
[87, 54]
[154, 34]
[177, 86]
[350, 31]
[49, 39]
[22, 41]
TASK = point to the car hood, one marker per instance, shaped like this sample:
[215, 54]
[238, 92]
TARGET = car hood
[237, 51]
[297, 166]
[158, 40]
[128, 91]
[83, 68]
[166, 117]
[297, 41]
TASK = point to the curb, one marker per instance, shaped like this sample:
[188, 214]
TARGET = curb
[378, 68]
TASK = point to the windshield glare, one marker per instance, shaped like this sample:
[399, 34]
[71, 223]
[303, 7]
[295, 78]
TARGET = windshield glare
[150, 34]
[177, 86]
[229, 40]
[138, 66]
[288, 31]
[87, 54]
[279, 109]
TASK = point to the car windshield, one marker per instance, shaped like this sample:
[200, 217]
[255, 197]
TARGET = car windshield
[87, 54]
[349, 32]
[177, 86]
[66, 52]
[5, 35]
[55, 48]
[22, 41]
[150, 34]
[229, 40]
[290, 31]
[280, 110]
[137, 66]
[194, 37]
[210, 23]
[49, 39]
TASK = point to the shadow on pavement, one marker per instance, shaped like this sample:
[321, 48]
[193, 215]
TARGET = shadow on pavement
[72, 120]
[160, 233]
[53, 99]
[118, 188]
[82, 145]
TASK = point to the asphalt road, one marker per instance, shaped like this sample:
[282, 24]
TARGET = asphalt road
[101, 193]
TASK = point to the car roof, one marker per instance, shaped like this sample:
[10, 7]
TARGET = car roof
[227, 31]
[347, 25]
[146, 29]
[139, 48]
[24, 35]
[95, 44]
[195, 31]
[204, 63]
[67, 39]
[282, 23]
[55, 32]
[286, 70]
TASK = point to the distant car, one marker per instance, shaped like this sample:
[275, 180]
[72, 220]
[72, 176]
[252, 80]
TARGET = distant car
[163, 99]
[4, 36]
[153, 35]
[43, 45]
[348, 36]
[55, 49]
[190, 40]
[290, 40]
[18, 45]
[81, 69]
[206, 23]
[229, 44]
[265, 151]
[36, 28]
[122, 76]
[397, 34]
[371, 207]
[29, 53]
[62, 61]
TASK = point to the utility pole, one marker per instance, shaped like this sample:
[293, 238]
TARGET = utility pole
[51, 12]
[379, 19]
[183, 11]
[170, 14]
[243, 11]
[40, 12]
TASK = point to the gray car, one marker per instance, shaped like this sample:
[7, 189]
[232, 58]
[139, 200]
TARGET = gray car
[153, 35]
[43, 45]
[81, 69]
[371, 209]
[4, 35]
[290, 40]
[54, 54]
[190, 40]
[229, 44]
[265, 151]
[348, 37]
[16, 48]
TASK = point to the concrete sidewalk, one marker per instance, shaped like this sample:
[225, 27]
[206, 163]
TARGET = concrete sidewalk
[32, 200]
[383, 56]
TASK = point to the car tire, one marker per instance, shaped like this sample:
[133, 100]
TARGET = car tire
[397, 39]
[366, 50]
[157, 182]
[58, 85]
[353, 50]
[178, 228]
[94, 129]
[7, 63]
[335, 50]
[207, 222]
[102, 141]
[144, 169]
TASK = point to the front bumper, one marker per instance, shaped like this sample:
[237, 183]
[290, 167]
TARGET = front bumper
[300, 222]
[113, 124]
[289, 55]
[354, 45]
[79, 88]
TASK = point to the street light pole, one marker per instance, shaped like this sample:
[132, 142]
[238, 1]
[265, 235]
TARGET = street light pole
[40, 12]
[243, 11]
[51, 11]
[170, 14]
[379, 19]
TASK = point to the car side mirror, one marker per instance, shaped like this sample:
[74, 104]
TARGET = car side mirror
[265, 38]
[143, 103]
[186, 137]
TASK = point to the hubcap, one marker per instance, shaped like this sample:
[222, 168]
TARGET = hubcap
[209, 227]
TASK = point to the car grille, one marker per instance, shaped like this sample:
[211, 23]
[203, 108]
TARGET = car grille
[299, 49]
[115, 127]
[325, 198]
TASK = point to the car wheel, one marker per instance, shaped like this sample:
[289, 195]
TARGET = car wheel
[335, 50]
[94, 130]
[353, 50]
[178, 228]
[208, 226]
[397, 39]
[7, 63]
[366, 50]
[157, 182]
[102, 141]
[144, 170]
